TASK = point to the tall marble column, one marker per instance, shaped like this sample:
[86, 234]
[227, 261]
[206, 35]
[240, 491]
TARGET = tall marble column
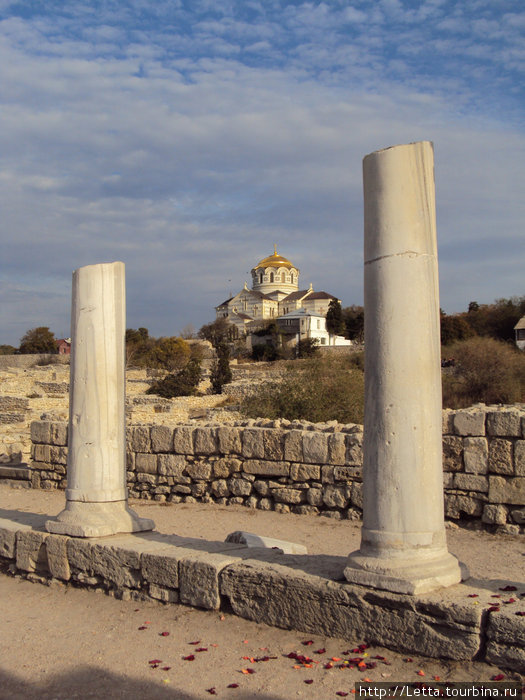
[96, 496]
[403, 543]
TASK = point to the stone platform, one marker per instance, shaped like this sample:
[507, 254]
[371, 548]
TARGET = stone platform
[307, 593]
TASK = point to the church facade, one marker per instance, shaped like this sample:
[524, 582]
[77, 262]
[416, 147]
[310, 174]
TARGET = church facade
[275, 296]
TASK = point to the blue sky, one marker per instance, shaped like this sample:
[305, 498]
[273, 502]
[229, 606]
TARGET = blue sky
[186, 137]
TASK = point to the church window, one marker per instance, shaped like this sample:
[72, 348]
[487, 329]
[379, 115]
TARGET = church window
[291, 277]
[283, 277]
[271, 276]
[260, 277]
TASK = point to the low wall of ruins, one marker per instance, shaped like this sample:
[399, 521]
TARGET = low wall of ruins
[302, 467]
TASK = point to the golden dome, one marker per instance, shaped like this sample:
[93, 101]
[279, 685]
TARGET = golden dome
[274, 260]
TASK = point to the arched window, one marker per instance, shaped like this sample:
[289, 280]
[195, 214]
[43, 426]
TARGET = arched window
[271, 276]
[283, 277]
[260, 277]
[291, 277]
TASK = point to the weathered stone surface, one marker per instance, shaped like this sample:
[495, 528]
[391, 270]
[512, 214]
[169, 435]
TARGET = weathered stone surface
[336, 496]
[58, 454]
[452, 453]
[476, 455]
[315, 447]
[165, 595]
[31, 551]
[494, 514]
[336, 449]
[314, 497]
[171, 465]
[469, 423]
[219, 488]
[205, 441]
[183, 440]
[58, 433]
[199, 578]
[456, 505]
[511, 491]
[518, 515]
[506, 640]
[225, 467]
[7, 542]
[146, 463]
[199, 470]
[264, 468]
[229, 440]
[500, 456]
[447, 421]
[115, 564]
[347, 473]
[280, 596]
[519, 457]
[140, 438]
[57, 561]
[240, 487]
[161, 438]
[357, 495]
[286, 495]
[354, 448]
[273, 444]
[250, 539]
[261, 487]
[161, 568]
[253, 443]
[471, 482]
[41, 453]
[293, 446]
[505, 423]
[40, 431]
[327, 474]
[305, 472]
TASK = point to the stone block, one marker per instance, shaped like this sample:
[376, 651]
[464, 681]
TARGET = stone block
[161, 569]
[199, 578]
[265, 504]
[41, 453]
[205, 441]
[471, 482]
[199, 470]
[519, 457]
[229, 440]
[458, 505]
[336, 449]
[264, 468]
[161, 438]
[452, 454]
[354, 448]
[448, 480]
[500, 456]
[470, 422]
[219, 488]
[7, 542]
[315, 447]
[240, 487]
[31, 551]
[293, 446]
[476, 455]
[273, 440]
[140, 439]
[357, 495]
[171, 465]
[327, 474]
[287, 495]
[145, 463]
[506, 640]
[316, 604]
[510, 490]
[224, 467]
[447, 421]
[58, 434]
[347, 473]
[305, 472]
[494, 514]
[518, 515]
[57, 561]
[253, 443]
[198, 490]
[261, 487]
[57, 454]
[183, 440]
[113, 564]
[40, 431]
[336, 496]
[250, 539]
[165, 595]
[314, 497]
[504, 423]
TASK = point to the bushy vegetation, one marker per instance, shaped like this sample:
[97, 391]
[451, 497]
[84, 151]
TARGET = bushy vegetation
[316, 389]
[38, 340]
[485, 370]
[220, 334]
[184, 382]
[142, 350]
[496, 320]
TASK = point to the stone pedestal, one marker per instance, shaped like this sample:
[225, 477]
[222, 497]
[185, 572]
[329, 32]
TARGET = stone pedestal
[96, 497]
[403, 543]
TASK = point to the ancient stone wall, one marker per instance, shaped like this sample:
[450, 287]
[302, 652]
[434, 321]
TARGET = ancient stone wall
[302, 467]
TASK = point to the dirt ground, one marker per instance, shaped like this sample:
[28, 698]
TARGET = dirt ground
[62, 642]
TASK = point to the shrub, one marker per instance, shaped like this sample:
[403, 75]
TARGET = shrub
[486, 370]
[317, 389]
[181, 383]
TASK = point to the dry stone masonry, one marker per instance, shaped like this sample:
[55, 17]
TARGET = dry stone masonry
[304, 467]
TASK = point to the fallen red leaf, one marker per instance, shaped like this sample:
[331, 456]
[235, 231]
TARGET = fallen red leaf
[248, 671]
[195, 643]
[498, 677]
[436, 678]
[309, 681]
[201, 649]
[473, 595]
[341, 693]
[510, 600]
[165, 668]
[379, 658]
[496, 595]
[155, 661]
[191, 657]
[328, 665]
[420, 673]
[408, 661]
[142, 628]
[164, 634]
[335, 658]
[233, 685]
[509, 588]
[211, 691]
[308, 642]
[494, 608]
[521, 613]
[320, 651]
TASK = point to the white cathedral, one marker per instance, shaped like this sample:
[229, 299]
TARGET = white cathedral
[275, 295]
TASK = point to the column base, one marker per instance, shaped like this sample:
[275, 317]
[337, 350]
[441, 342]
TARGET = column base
[83, 519]
[411, 575]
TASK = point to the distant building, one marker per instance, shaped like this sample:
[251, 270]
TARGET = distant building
[519, 330]
[64, 346]
[275, 295]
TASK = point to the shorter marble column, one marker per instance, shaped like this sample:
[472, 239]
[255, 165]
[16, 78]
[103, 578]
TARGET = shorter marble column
[403, 543]
[96, 495]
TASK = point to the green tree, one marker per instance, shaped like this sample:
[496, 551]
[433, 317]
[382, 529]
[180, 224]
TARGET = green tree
[220, 334]
[168, 353]
[38, 340]
[454, 328]
[181, 383]
[335, 324]
[7, 350]
[354, 319]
